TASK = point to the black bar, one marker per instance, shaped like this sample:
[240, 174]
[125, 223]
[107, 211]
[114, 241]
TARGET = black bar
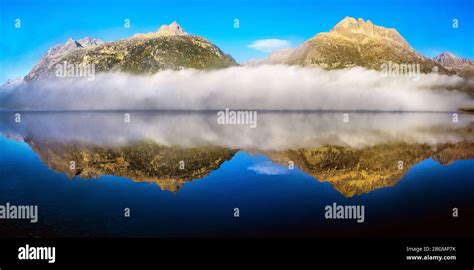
[351, 251]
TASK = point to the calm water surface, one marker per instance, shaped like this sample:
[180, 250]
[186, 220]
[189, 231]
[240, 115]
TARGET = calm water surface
[133, 165]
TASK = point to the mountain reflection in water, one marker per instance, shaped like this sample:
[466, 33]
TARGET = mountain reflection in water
[371, 151]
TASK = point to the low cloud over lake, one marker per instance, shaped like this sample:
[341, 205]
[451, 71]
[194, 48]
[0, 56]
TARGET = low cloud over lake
[276, 87]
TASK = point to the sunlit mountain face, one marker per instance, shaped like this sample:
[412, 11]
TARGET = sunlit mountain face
[291, 165]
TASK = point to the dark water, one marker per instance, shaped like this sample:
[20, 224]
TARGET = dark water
[273, 200]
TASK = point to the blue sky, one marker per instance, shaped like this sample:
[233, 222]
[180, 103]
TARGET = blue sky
[427, 25]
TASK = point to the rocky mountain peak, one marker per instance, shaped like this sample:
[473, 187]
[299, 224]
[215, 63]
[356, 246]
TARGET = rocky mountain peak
[446, 58]
[360, 30]
[352, 25]
[450, 60]
[446, 55]
[89, 42]
[173, 29]
[12, 83]
[72, 44]
[57, 52]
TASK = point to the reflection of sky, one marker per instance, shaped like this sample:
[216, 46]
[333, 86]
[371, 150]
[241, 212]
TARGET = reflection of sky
[274, 130]
[269, 204]
[268, 168]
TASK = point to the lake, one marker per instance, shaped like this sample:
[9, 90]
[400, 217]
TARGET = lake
[181, 174]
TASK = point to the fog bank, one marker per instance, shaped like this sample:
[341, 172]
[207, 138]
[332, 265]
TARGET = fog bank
[276, 87]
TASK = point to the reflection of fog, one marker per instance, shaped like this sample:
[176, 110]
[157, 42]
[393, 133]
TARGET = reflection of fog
[274, 130]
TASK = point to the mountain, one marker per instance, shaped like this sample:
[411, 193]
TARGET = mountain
[142, 161]
[461, 66]
[450, 60]
[355, 43]
[167, 48]
[12, 83]
[351, 171]
[355, 171]
[56, 54]
[276, 57]
[174, 29]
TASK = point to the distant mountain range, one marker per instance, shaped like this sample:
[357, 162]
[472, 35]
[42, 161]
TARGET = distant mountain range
[461, 66]
[352, 42]
[450, 60]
